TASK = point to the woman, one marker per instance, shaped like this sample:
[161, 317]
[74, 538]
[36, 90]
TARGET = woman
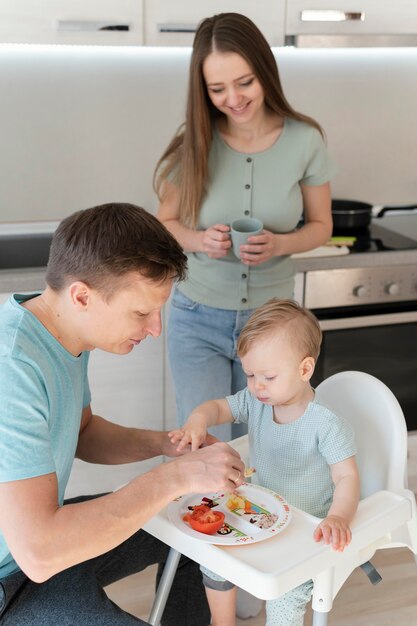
[243, 151]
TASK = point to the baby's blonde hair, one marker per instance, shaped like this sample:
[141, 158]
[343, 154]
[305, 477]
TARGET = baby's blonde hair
[301, 325]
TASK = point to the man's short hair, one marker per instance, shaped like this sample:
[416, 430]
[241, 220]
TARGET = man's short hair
[101, 245]
[301, 325]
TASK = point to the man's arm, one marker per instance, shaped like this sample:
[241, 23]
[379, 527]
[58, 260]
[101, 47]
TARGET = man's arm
[103, 442]
[46, 539]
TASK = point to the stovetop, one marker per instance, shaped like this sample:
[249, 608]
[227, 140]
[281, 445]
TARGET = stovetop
[377, 238]
[368, 285]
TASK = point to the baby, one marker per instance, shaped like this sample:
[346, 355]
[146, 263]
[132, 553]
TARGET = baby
[300, 449]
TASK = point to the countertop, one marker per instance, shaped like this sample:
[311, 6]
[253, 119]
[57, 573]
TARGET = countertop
[21, 280]
[28, 279]
[404, 224]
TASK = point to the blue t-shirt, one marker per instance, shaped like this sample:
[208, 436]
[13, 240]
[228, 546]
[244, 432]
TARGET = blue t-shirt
[43, 390]
[293, 459]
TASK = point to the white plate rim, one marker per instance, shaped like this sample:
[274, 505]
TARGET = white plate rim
[176, 510]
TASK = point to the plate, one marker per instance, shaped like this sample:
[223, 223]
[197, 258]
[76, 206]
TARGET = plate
[252, 514]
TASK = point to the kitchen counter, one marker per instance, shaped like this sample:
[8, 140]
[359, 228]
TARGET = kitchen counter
[403, 224]
[28, 279]
[391, 258]
[21, 280]
[33, 279]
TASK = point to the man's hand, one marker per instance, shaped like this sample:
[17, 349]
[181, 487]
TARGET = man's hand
[193, 433]
[212, 468]
[171, 447]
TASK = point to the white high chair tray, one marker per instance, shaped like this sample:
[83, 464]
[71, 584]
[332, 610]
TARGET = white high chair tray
[268, 569]
[266, 515]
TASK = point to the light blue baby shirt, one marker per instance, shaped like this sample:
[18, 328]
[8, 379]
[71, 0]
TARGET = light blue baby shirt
[43, 389]
[293, 459]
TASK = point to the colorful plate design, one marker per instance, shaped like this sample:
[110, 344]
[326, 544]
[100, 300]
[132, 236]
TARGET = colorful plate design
[252, 514]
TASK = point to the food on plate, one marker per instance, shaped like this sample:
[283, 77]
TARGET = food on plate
[249, 471]
[204, 520]
[254, 513]
[235, 501]
[264, 520]
[248, 507]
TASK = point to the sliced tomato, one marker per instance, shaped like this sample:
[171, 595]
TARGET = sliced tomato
[208, 525]
[199, 510]
[208, 522]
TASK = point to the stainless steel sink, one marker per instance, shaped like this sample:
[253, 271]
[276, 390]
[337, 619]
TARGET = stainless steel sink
[24, 250]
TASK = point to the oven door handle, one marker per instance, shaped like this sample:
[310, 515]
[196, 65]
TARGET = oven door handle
[364, 321]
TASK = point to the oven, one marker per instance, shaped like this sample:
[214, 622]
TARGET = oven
[368, 316]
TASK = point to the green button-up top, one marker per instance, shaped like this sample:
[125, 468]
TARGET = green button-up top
[265, 185]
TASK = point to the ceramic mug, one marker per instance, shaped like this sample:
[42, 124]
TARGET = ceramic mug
[243, 228]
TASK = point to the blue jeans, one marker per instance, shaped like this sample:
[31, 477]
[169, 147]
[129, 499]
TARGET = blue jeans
[75, 596]
[202, 354]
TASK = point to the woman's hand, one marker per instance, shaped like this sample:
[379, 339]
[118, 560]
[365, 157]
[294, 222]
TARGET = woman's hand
[216, 241]
[260, 248]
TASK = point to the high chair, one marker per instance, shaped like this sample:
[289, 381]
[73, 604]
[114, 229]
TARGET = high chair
[386, 515]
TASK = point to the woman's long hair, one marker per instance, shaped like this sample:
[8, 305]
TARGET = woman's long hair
[185, 161]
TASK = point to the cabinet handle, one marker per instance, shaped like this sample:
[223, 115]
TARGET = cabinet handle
[177, 28]
[86, 25]
[317, 15]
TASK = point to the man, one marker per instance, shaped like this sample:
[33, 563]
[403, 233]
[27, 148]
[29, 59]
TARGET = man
[110, 271]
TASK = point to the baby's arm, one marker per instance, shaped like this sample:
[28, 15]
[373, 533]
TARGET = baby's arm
[334, 528]
[194, 431]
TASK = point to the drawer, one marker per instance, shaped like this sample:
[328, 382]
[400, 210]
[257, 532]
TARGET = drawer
[168, 23]
[108, 22]
[355, 17]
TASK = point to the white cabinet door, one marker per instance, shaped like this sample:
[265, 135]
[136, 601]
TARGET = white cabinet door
[299, 287]
[72, 22]
[127, 390]
[351, 17]
[168, 23]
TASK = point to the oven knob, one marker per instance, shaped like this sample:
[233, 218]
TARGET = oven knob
[360, 291]
[392, 289]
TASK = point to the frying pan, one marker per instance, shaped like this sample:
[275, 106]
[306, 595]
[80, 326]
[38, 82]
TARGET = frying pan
[353, 214]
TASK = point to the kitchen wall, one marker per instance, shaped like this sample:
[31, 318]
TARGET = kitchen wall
[82, 125]
[85, 125]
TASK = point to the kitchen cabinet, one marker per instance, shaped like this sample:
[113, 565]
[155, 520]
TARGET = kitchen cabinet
[112, 22]
[127, 390]
[168, 23]
[351, 17]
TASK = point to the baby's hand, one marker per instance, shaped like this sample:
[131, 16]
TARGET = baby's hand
[176, 435]
[335, 531]
[189, 435]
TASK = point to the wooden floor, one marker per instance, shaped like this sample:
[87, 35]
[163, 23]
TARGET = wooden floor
[393, 602]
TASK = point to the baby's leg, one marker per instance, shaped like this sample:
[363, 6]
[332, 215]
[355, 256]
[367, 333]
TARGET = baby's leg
[289, 609]
[222, 606]
[221, 596]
